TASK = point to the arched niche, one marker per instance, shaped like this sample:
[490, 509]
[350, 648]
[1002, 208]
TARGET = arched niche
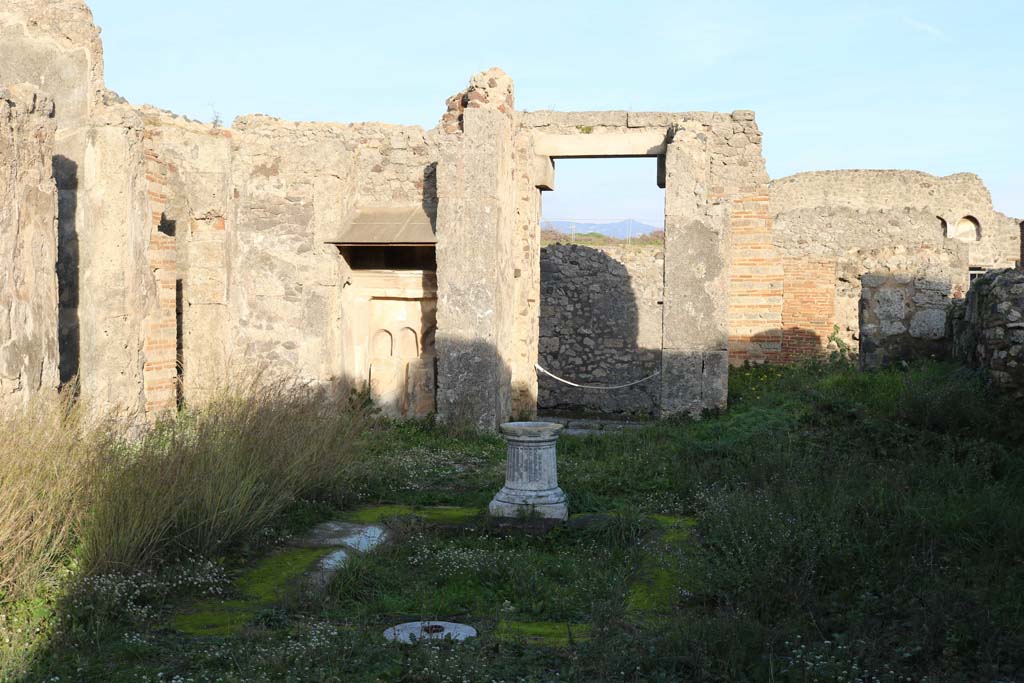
[967, 229]
[408, 343]
[382, 345]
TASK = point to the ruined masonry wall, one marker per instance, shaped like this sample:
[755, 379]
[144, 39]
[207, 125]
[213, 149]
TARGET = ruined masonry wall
[882, 235]
[28, 247]
[106, 287]
[255, 208]
[988, 328]
[600, 324]
[721, 182]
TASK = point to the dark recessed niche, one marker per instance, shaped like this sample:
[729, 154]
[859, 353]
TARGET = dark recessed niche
[387, 257]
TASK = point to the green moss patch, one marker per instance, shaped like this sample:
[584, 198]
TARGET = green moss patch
[658, 586]
[268, 580]
[675, 530]
[260, 586]
[441, 514]
[547, 633]
[215, 618]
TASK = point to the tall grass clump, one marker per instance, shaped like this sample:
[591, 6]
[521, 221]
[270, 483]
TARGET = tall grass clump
[210, 477]
[45, 451]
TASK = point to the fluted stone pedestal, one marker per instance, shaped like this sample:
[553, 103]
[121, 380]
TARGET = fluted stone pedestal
[531, 477]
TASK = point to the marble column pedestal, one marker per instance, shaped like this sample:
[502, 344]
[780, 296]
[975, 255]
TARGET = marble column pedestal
[531, 477]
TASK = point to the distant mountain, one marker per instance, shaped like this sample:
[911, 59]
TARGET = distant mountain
[619, 229]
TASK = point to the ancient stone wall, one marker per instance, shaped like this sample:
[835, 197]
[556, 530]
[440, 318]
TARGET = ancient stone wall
[893, 228]
[54, 44]
[476, 220]
[188, 252]
[28, 246]
[106, 285]
[903, 306]
[600, 325]
[987, 329]
[715, 179]
[191, 164]
[257, 210]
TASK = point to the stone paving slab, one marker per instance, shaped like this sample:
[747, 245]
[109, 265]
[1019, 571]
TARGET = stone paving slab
[358, 537]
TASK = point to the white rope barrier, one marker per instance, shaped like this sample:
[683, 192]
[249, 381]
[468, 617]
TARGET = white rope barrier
[586, 386]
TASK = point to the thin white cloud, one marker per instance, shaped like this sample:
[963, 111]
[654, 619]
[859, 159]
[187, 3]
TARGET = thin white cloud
[924, 27]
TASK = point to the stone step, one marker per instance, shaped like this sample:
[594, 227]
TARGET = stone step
[591, 426]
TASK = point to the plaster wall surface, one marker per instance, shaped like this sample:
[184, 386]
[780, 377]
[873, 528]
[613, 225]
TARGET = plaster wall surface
[106, 286]
[28, 247]
[260, 207]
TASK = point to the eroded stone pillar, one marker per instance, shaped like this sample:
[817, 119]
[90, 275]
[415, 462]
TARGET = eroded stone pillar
[28, 246]
[475, 280]
[531, 475]
[695, 357]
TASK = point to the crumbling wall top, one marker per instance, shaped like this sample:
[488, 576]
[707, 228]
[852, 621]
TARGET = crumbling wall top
[491, 89]
[879, 189]
[31, 31]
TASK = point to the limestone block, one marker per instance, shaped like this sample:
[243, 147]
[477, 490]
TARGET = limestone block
[890, 305]
[928, 324]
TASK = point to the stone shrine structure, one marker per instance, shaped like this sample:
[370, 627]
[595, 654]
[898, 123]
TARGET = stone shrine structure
[152, 257]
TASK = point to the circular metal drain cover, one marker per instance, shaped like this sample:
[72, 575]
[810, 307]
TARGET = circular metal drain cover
[412, 631]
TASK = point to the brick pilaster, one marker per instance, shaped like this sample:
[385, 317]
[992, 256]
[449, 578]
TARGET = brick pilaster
[160, 375]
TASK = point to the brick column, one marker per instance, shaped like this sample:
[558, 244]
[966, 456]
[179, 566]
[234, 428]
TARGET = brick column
[159, 370]
[755, 279]
[808, 311]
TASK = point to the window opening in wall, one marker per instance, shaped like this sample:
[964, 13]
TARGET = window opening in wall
[601, 284]
[389, 257]
[974, 272]
[967, 229]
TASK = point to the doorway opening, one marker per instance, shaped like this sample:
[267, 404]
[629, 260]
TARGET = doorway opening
[601, 288]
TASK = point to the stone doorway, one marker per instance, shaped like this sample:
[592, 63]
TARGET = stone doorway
[601, 289]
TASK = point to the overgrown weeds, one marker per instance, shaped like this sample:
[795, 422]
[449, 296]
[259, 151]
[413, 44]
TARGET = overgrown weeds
[45, 456]
[205, 479]
[82, 496]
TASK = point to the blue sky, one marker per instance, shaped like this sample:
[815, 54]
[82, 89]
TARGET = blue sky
[936, 86]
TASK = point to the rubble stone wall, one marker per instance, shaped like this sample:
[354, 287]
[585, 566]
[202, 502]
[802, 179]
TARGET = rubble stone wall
[187, 252]
[256, 207]
[718, 228]
[881, 229]
[600, 325]
[987, 329]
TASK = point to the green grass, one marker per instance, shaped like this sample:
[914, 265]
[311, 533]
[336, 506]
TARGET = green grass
[543, 633]
[435, 574]
[832, 525]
